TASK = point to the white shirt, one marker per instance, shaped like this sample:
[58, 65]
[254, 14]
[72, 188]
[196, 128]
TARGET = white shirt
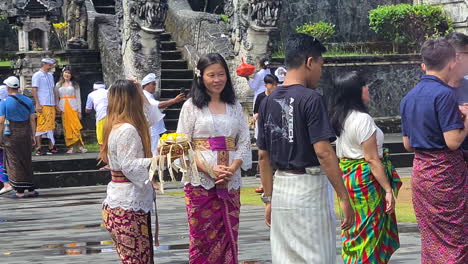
[69, 91]
[44, 82]
[154, 123]
[358, 127]
[126, 154]
[257, 84]
[98, 101]
[200, 123]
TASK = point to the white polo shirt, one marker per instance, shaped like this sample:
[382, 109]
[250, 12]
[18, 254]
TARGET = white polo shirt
[155, 128]
[98, 101]
[44, 82]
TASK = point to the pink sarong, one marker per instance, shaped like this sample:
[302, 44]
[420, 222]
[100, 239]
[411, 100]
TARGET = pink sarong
[440, 191]
[213, 217]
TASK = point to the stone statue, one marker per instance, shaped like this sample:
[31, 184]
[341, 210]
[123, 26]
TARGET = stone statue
[142, 21]
[77, 19]
[265, 13]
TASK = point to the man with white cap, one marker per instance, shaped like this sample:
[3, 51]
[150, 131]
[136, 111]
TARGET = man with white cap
[43, 92]
[149, 88]
[17, 138]
[98, 101]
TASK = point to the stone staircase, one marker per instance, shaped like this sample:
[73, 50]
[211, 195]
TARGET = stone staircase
[105, 6]
[175, 74]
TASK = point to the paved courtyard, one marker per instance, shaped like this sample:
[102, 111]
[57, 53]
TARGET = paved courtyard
[64, 226]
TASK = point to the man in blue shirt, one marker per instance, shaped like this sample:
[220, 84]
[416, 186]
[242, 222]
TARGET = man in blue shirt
[17, 137]
[294, 136]
[434, 128]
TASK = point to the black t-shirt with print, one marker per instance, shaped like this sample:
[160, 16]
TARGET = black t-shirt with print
[291, 120]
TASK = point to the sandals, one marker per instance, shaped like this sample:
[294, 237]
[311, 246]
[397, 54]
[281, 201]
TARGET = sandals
[33, 194]
[82, 149]
[15, 196]
[70, 150]
[6, 190]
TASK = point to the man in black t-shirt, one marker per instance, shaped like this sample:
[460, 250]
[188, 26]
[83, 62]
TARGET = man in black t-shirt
[294, 138]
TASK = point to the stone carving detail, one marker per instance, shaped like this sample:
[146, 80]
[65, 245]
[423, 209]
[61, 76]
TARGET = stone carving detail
[77, 19]
[49, 4]
[149, 14]
[265, 13]
[252, 16]
[141, 22]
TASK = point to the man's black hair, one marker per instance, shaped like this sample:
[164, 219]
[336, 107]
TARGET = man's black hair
[458, 40]
[437, 53]
[300, 47]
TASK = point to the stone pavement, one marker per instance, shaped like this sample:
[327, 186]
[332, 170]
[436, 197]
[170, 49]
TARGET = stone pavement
[64, 226]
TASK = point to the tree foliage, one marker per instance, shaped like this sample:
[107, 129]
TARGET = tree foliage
[321, 30]
[410, 24]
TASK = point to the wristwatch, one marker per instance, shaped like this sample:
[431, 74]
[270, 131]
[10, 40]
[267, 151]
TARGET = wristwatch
[266, 199]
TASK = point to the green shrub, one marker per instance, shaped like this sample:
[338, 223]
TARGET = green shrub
[409, 24]
[321, 30]
[224, 18]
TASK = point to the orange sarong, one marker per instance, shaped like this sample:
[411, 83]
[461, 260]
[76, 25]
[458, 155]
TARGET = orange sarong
[71, 123]
[46, 119]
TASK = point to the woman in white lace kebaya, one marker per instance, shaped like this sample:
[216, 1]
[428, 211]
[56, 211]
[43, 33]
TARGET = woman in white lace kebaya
[68, 101]
[217, 126]
[127, 150]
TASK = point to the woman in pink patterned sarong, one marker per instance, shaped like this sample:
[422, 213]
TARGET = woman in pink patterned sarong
[217, 126]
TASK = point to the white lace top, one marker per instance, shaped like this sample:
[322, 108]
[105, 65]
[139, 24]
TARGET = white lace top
[126, 154]
[200, 123]
[69, 91]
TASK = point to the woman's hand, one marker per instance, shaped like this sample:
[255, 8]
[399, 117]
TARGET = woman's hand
[389, 202]
[80, 116]
[57, 109]
[223, 174]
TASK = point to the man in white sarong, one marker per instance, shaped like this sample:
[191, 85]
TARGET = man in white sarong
[294, 135]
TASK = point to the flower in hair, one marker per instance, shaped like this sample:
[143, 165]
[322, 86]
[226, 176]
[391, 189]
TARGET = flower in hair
[197, 72]
[267, 63]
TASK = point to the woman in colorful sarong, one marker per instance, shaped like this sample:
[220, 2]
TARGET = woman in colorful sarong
[370, 178]
[17, 136]
[68, 101]
[130, 195]
[434, 128]
[215, 122]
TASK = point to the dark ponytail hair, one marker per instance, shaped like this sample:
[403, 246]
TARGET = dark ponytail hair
[199, 93]
[271, 79]
[264, 63]
[347, 96]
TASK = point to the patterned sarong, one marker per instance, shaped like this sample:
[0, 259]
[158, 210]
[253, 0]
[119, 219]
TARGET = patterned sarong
[213, 214]
[45, 120]
[213, 225]
[3, 175]
[131, 233]
[18, 161]
[374, 236]
[71, 123]
[440, 191]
